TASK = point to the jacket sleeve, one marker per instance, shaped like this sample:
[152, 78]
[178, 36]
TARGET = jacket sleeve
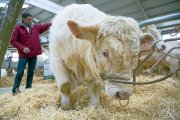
[43, 27]
[14, 40]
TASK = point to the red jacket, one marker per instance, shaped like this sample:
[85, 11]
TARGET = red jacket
[21, 38]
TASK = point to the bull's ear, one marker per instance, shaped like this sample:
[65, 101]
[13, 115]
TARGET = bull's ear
[146, 41]
[82, 32]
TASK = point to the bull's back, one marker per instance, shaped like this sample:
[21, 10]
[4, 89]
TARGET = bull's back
[61, 40]
[85, 14]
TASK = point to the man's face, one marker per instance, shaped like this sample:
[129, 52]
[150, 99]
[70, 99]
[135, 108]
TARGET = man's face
[28, 20]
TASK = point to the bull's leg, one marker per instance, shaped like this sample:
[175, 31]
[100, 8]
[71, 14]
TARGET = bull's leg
[62, 76]
[65, 89]
[94, 89]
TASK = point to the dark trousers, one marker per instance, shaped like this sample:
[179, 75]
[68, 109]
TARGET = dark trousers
[20, 72]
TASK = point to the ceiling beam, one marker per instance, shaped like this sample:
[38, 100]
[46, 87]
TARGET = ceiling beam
[45, 5]
[51, 16]
[38, 13]
[28, 8]
[142, 9]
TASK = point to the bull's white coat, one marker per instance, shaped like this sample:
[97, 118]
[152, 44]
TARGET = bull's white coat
[85, 42]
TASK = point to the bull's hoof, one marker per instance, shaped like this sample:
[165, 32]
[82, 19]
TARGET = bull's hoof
[66, 107]
[95, 102]
[66, 103]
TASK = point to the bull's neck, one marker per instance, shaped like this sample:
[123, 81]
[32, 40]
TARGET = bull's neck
[91, 63]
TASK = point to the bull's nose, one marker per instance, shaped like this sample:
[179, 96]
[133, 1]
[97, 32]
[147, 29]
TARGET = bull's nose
[164, 46]
[123, 95]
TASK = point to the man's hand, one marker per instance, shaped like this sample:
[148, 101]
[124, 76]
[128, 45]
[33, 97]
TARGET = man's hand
[26, 50]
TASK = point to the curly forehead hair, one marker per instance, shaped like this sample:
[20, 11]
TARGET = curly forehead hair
[25, 15]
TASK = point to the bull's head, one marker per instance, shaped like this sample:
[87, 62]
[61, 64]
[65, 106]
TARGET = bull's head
[114, 47]
[160, 46]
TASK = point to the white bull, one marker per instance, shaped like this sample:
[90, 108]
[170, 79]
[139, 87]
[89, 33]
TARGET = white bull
[160, 46]
[168, 63]
[85, 42]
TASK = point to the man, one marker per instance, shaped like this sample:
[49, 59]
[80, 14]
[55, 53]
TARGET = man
[25, 38]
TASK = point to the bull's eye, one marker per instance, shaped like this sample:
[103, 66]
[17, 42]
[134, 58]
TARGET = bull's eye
[143, 41]
[105, 53]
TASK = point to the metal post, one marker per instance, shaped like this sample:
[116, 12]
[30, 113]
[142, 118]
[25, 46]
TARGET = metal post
[139, 65]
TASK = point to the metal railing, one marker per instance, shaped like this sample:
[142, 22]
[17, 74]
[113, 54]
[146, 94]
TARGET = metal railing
[160, 19]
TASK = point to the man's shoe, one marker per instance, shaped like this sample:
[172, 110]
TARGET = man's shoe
[16, 92]
[28, 87]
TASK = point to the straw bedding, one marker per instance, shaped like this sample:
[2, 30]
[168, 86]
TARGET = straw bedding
[8, 81]
[159, 101]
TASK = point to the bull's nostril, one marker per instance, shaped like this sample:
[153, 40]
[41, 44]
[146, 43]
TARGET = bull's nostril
[122, 95]
[164, 46]
[117, 96]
